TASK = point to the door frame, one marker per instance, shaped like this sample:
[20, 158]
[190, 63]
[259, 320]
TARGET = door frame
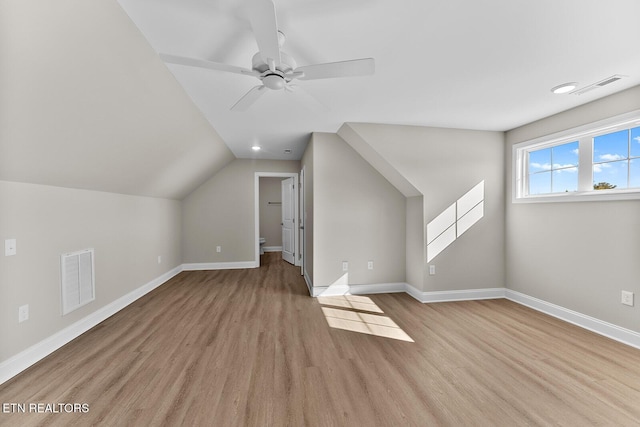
[256, 204]
[301, 225]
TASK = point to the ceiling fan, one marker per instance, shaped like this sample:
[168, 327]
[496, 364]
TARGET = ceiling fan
[275, 69]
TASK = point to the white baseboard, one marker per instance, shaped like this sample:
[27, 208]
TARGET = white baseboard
[272, 248]
[21, 361]
[308, 281]
[623, 335]
[219, 265]
[316, 291]
[413, 292]
[459, 295]
[377, 288]
[331, 291]
[424, 297]
[344, 289]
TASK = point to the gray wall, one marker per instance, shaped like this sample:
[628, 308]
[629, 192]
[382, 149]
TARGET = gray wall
[415, 240]
[577, 255]
[271, 214]
[221, 212]
[308, 254]
[128, 234]
[358, 216]
[443, 164]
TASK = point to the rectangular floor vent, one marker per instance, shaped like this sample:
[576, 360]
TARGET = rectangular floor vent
[78, 279]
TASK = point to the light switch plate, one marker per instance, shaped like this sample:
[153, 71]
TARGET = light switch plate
[10, 247]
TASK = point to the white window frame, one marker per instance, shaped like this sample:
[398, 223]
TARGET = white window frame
[584, 135]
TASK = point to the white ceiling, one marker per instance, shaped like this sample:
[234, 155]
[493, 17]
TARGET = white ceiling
[473, 64]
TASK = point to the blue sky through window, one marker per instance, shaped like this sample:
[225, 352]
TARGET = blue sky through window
[613, 155]
[554, 169]
[571, 164]
[634, 173]
[635, 142]
[611, 147]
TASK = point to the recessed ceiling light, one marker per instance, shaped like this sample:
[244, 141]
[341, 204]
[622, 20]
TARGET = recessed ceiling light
[564, 88]
[255, 148]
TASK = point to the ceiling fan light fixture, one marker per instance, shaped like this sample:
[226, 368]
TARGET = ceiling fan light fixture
[273, 81]
[275, 69]
[564, 88]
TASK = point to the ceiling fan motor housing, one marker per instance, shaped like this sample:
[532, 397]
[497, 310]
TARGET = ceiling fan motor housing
[279, 78]
[287, 63]
[274, 68]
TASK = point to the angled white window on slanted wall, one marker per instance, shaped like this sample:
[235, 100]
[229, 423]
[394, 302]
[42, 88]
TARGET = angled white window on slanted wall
[599, 161]
[451, 223]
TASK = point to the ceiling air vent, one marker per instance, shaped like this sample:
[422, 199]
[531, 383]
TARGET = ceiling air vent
[597, 85]
[608, 81]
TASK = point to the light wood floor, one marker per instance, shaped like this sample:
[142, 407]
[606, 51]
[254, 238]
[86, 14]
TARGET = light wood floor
[250, 347]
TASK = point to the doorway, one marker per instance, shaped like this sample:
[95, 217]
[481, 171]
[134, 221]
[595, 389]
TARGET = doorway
[286, 209]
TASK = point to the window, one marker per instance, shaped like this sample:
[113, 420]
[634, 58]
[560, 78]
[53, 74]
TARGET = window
[616, 160]
[553, 169]
[594, 162]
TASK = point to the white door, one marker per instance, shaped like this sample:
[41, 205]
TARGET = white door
[301, 222]
[288, 221]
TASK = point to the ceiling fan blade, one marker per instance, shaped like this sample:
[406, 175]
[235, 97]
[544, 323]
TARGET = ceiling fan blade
[202, 63]
[355, 67]
[249, 98]
[262, 15]
[309, 100]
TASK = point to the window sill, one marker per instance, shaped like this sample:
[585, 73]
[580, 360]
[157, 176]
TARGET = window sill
[585, 196]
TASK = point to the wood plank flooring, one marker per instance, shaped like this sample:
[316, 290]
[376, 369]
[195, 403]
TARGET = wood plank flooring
[250, 347]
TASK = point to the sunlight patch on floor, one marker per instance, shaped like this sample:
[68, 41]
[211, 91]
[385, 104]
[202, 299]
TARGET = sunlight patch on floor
[351, 301]
[355, 321]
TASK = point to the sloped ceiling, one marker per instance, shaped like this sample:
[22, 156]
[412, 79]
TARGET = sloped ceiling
[351, 136]
[467, 64]
[85, 102]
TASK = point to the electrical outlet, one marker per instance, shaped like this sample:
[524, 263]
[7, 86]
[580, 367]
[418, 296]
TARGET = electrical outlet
[627, 298]
[432, 270]
[345, 266]
[10, 247]
[218, 248]
[23, 313]
[159, 259]
[370, 265]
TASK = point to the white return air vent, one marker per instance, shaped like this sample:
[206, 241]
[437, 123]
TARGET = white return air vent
[597, 85]
[78, 279]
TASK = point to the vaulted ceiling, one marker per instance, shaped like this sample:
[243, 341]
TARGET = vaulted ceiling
[456, 63]
[86, 102]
